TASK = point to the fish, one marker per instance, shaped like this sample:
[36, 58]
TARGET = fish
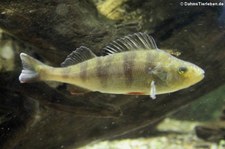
[131, 65]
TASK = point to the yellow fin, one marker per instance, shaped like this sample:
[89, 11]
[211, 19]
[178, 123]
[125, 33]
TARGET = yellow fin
[31, 66]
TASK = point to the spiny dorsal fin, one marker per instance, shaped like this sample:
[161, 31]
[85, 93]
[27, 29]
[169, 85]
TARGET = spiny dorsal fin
[136, 41]
[79, 55]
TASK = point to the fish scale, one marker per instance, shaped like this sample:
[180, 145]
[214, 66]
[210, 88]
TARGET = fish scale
[130, 65]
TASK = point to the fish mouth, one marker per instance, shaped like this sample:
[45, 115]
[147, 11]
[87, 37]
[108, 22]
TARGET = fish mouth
[202, 71]
[201, 74]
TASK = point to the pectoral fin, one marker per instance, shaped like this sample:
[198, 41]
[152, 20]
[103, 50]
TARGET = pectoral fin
[159, 73]
[153, 90]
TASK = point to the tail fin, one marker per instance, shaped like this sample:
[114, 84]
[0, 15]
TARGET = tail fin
[30, 70]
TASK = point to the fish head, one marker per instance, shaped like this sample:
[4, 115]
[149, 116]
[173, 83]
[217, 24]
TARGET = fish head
[185, 74]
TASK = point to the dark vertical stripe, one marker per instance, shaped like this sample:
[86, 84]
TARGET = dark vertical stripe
[103, 69]
[65, 72]
[83, 71]
[128, 67]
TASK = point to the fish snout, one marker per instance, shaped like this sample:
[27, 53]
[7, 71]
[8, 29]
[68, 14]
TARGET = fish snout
[201, 73]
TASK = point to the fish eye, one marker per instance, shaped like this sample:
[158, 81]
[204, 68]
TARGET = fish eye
[182, 70]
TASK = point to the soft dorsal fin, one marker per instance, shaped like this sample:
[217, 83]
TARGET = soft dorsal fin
[134, 41]
[79, 55]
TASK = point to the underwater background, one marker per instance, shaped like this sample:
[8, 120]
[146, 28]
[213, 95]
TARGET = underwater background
[46, 115]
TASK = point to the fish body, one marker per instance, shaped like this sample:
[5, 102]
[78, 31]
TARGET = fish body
[143, 70]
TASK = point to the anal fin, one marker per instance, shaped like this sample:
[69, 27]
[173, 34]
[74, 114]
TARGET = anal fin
[75, 90]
